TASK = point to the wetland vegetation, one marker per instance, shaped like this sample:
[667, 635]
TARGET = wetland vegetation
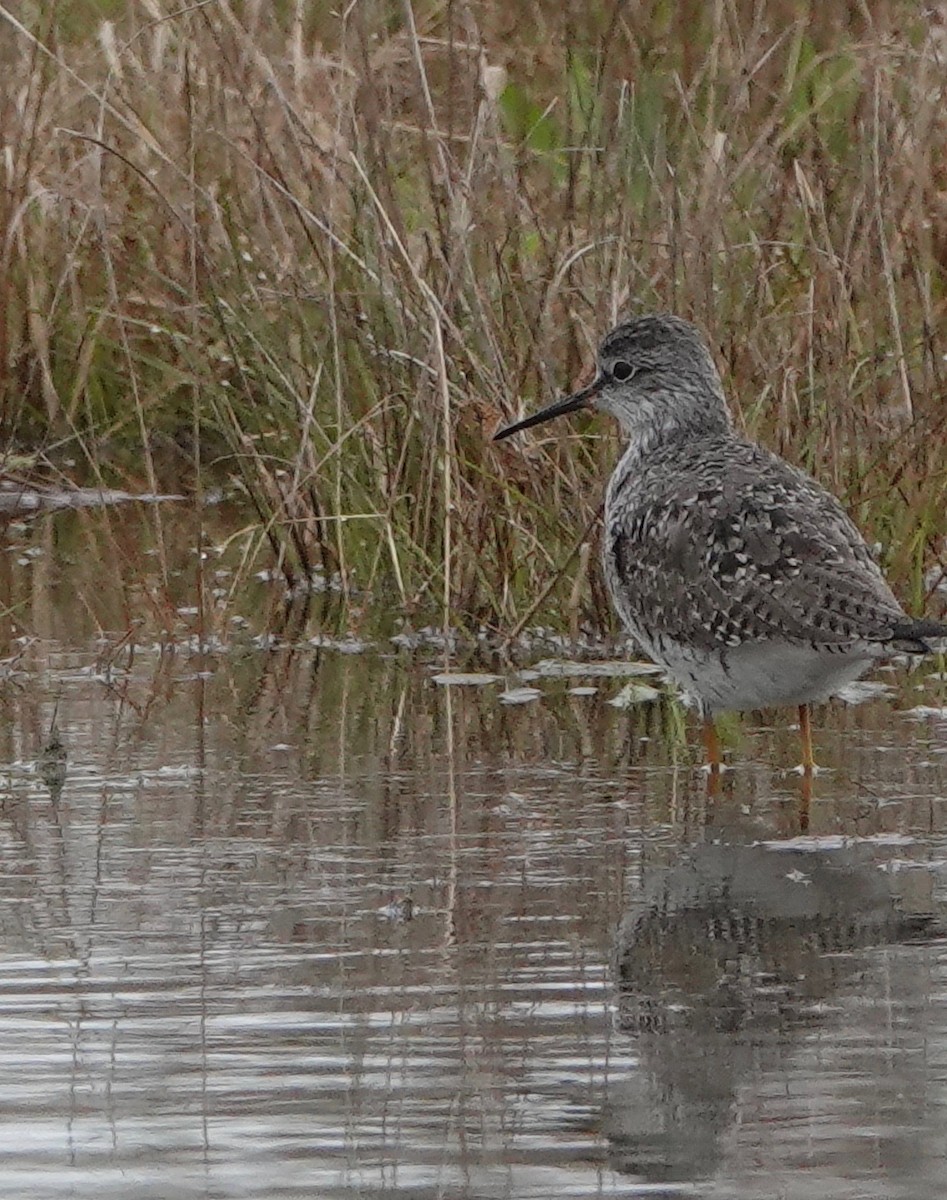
[303, 259]
[295, 900]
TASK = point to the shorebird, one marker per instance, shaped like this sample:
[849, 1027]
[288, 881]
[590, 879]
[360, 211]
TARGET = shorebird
[738, 574]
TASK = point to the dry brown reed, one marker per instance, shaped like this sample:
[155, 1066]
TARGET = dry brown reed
[323, 251]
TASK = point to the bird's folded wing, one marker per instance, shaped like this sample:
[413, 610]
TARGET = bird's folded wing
[735, 560]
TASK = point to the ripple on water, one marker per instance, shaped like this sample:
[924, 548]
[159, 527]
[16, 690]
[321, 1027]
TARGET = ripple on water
[312, 927]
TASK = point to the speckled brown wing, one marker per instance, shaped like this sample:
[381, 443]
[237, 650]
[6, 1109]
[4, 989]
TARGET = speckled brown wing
[720, 542]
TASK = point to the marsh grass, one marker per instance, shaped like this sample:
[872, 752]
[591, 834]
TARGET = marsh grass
[321, 256]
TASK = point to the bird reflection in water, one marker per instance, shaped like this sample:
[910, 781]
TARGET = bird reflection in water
[723, 965]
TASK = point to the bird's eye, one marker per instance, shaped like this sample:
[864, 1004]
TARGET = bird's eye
[622, 370]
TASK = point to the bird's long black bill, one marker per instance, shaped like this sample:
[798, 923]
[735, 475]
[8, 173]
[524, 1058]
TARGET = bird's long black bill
[558, 408]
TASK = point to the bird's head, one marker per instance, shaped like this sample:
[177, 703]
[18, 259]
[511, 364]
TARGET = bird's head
[655, 376]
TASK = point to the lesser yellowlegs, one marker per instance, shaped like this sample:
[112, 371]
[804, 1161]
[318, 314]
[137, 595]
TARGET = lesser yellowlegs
[737, 573]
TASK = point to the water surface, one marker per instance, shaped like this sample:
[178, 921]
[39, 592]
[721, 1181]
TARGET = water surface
[291, 921]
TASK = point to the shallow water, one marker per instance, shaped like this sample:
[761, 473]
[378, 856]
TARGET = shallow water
[299, 922]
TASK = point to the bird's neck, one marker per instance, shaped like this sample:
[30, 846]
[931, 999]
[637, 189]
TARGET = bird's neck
[664, 419]
[660, 425]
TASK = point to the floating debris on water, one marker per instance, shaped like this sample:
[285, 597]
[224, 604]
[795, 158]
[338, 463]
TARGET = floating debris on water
[863, 689]
[436, 639]
[522, 695]
[344, 645]
[927, 712]
[16, 497]
[53, 758]
[399, 911]
[635, 693]
[465, 679]
[560, 668]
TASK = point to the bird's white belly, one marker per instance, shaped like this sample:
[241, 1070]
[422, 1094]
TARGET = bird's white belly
[759, 674]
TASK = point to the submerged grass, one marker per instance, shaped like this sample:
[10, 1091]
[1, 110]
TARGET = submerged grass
[323, 254]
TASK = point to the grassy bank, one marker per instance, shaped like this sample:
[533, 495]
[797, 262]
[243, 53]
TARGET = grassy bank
[319, 257]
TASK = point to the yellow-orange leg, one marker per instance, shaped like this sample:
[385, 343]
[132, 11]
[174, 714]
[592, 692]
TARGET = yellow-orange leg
[808, 766]
[712, 745]
[805, 733]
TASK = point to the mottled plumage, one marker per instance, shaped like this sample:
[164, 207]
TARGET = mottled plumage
[739, 574]
[716, 550]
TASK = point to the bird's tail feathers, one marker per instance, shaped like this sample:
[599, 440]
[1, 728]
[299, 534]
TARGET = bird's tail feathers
[910, 637]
